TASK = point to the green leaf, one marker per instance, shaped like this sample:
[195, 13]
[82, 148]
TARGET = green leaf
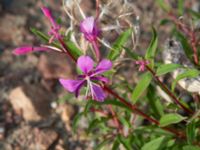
[189, 73]
[44, 37]
[190, 132]
[131, 53]
[125, 142]
[97, 123]
[154, 102]
[115, 145]
[191, 147]
[155, 144]
[125, 122]
[164, 22]
[118, 44]
[166, 68]
[76, 52]
[151, 50]
[141, 86]
[102, 144]
[180, 7]
[112, 102]
[185, 44]
[171, 119]
[76, 120]
[194, 13]
[166, 7]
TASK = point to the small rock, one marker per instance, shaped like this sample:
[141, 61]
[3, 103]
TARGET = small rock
[32, 101]
[54, 65]
[32, 138]
[15, 31]
[66, 112]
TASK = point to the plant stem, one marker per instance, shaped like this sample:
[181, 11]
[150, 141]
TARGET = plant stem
[189, 33]
[97, 9]
[96, 48]
[129, 105]
[164, 87]
[66, 49]
[115, 119]
[139, 112]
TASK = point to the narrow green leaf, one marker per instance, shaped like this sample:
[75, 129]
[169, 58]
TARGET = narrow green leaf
[95, 123]
[115, 145]
[180, 7]
[117, 46]
[185, 44]
[141, 86]
[164, 22]
[166, 7]
[171, 119]
[125, 142]
[112, 102]
[76, 52]
[125, 122]
[131, 53]
[155, 144]
[190, 132]
[194, 13]
[189, 73]
[41, 35]
[191, 147]
[166, 68]
[102, 144]
[154, 102]
[76, 120]
[151, 50]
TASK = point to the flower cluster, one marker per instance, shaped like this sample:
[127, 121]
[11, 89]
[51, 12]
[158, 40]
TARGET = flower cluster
[91, 77]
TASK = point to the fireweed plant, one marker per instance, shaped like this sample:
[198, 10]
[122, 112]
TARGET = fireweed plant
[147, 115]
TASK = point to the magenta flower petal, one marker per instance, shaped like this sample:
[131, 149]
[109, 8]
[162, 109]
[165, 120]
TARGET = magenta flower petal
[85, 63]
[97, 93]
[71, 85]
[27, 49]
[87, 25]
[103, 66]
[89, 28]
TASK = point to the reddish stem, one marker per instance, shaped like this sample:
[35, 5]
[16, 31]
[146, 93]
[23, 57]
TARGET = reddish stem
[164, 87]
[139, 112]
[96, 48]
[97, 9]
[129, 105]
[115, 118]
[188, 32]
[66, 49]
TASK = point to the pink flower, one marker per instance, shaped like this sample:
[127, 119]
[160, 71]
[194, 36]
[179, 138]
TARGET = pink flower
[26, 49]
[89, 77]
[54, 32]
[89, 28]
[142, 64]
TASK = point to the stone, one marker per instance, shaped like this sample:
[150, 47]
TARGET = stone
[66, 112]
[15, 28]
[32, 138]
[54, 65]
[32, 101]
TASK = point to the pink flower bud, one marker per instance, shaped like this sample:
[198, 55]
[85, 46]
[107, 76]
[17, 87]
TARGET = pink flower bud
[27, 49]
